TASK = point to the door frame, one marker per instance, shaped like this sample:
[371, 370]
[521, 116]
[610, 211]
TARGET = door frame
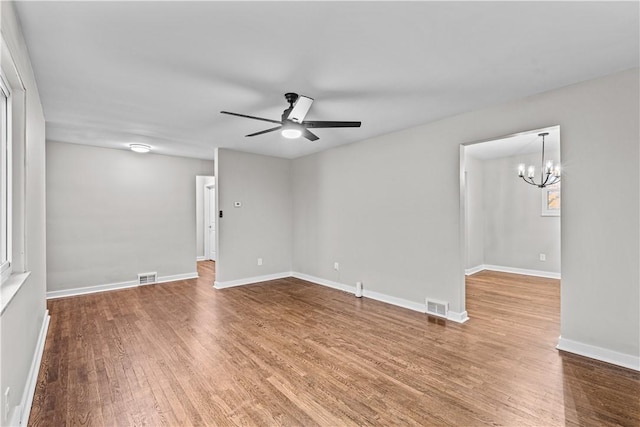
[207, 213]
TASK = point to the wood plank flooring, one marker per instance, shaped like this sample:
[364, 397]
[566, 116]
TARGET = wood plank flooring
[287, 352]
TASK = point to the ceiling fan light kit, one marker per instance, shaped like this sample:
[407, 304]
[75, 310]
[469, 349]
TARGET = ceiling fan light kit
[292, 124]
[291, 132]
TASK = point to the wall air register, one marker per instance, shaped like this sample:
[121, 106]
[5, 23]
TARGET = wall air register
[437, 308]
[147, 278]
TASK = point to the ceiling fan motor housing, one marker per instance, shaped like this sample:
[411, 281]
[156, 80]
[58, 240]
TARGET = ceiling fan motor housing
[291, 98]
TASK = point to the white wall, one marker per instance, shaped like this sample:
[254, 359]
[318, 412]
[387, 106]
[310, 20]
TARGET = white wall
[201, 183]
[515, 233]
[261, 227]
[388, 208]
[25, 315]
[112, 214]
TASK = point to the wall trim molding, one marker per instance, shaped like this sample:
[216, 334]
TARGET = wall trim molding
[201, 258]
[514, 270]
[22, 412]
[598, 353]
[378, 296]
[250, 280]
[116, 286]
[11, 287]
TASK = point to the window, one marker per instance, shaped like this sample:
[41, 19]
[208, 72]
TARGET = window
[5, 180]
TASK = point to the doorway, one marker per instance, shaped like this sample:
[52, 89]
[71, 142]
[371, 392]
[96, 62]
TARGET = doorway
[507, 225]
[205, 218]
[210, 222]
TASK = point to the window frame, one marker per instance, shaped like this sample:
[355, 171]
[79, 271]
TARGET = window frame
[6, 184]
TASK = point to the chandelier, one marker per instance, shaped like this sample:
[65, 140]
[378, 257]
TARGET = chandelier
[549, 173]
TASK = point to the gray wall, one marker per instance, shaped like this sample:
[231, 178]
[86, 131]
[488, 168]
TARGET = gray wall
[504, 226]
[261, 228]
[23, 318]
[475, 214]
[201, 182]
[112, 214]
[515, 233]
[388, 208]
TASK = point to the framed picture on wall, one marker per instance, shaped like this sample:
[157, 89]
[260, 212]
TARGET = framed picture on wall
[551, 200]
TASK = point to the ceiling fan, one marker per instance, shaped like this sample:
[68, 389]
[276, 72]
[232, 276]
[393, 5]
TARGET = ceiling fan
[292, 123]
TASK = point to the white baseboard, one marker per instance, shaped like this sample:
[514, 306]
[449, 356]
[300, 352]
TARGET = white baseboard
[457, 317]
[474, 270]
[201, 258]
[324, 282]
[514, 270]
[21, 413]
[250, 280]
[115, 286]
[176, 277]
[598, 353]
[91, 289]
[400, 302]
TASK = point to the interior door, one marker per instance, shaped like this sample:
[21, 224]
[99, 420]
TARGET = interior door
[212, 224]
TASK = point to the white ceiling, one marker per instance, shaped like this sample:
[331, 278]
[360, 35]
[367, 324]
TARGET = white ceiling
[515, 145]
[112, 73]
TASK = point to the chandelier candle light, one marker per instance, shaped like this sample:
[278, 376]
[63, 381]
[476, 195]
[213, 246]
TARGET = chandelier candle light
[550, 173]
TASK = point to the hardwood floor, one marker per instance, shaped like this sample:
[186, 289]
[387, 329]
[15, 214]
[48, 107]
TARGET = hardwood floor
[287, 352]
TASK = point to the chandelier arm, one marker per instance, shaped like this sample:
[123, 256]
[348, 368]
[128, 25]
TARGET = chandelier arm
[545, 180]
[529, 181]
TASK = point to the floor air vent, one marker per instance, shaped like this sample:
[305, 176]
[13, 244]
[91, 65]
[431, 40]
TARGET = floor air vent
[437, 308]
[147, 278]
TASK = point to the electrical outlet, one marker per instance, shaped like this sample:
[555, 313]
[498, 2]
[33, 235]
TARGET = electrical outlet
[543, 257]
[259, 261]
[336, 266]
[7, 394]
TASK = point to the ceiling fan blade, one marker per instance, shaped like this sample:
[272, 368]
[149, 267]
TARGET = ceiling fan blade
[316, 124]
[309, 135]
[301, 109]
[251, 117]
[264, 131]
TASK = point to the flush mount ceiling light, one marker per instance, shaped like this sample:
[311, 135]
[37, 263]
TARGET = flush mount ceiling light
[549, 173]
[140, 148]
